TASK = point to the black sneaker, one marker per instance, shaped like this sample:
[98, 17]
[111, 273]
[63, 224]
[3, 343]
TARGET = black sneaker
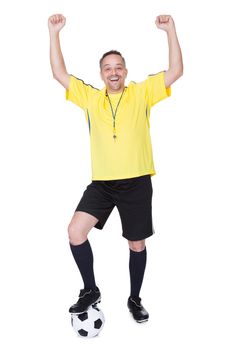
[139, 313]
[87, 297]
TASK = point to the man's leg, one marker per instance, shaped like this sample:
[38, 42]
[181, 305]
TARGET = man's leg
[78, 229]
[137, 265]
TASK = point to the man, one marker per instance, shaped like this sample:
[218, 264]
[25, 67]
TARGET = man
[121, 154]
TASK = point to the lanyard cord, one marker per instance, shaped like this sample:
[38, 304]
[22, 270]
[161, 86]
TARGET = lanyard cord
[114, 113]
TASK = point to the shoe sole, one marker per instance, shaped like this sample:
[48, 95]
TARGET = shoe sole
[95, 303]
[138, 321]
[92, 305]
[141, 321]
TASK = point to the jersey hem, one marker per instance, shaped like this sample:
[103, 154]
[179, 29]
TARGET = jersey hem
[105, 178]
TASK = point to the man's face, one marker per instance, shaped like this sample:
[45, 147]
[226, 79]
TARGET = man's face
[113, 73]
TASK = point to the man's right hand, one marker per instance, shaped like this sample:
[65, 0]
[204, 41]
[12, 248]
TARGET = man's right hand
[56, 23]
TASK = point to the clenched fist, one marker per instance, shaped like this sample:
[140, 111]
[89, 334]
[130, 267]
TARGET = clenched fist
[56, 23]
[165, 22]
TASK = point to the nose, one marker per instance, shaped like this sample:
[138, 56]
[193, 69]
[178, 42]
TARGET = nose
[113, 72]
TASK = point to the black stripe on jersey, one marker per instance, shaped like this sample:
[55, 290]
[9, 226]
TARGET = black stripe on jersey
[84, 82]
[89, 122]
[146, 111]
[151, 75]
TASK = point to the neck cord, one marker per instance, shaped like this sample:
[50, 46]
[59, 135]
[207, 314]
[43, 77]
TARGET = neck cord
[114, 113]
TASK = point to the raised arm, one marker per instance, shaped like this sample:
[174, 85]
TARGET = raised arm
[175, 69]
[55, 24]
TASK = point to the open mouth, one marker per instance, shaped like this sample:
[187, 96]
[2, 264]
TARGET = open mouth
[113, 79]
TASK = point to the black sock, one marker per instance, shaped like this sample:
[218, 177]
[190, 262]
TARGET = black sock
[84, 259]
[137, 265]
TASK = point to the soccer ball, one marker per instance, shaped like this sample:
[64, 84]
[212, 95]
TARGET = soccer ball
[89, 323]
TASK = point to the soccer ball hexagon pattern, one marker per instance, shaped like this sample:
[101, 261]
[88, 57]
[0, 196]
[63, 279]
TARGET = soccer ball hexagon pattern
[89, 323]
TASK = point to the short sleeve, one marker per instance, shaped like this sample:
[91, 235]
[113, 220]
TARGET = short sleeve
[78, 92]
[156, 89]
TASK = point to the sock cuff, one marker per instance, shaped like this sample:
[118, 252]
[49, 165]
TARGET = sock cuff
[80, 245]
[133, 252]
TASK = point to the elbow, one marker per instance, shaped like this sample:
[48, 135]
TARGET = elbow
[58, 73]
[178, 72]
[181, 71]
[56, 76]
[60, 76]
[172, 74]
[63, 78]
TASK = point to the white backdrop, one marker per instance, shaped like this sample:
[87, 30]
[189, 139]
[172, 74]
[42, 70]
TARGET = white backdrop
[45, 167]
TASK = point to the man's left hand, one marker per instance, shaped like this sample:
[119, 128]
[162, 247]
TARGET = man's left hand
[165, 22]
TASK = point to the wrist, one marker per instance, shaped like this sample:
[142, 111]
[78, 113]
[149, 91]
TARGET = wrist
[171, 32]
[53, 33]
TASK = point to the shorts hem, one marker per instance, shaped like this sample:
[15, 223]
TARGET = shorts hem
[99, 225]
[138, 238]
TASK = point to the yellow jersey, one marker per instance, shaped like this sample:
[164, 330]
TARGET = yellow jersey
[119, 126]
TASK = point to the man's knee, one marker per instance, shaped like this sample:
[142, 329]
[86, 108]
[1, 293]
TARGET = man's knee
[137, 246]
[76, 235]
[80, 226]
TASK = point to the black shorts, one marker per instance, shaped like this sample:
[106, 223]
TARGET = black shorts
[133, 199]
